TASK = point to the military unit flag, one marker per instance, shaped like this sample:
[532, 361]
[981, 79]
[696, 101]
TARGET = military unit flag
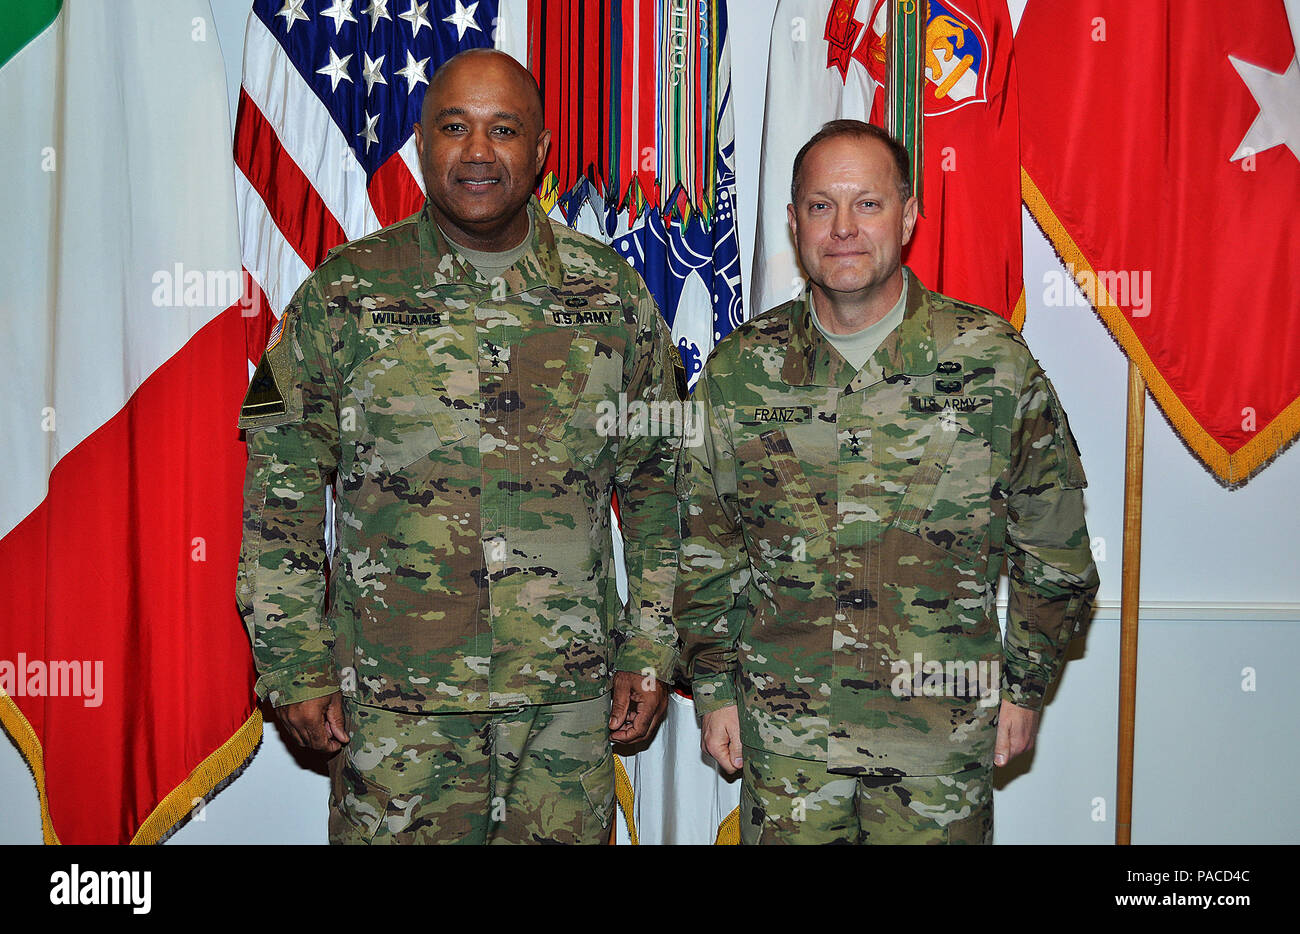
[1161, 151]
[637, 95]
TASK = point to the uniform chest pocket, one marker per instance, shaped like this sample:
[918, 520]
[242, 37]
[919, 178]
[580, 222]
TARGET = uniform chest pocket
[407, 413]
[776, 498]
[584, 411]
[948, 495]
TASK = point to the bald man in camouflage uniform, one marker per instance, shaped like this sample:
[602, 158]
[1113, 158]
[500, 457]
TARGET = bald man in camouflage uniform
[875, 452]
[449, 378]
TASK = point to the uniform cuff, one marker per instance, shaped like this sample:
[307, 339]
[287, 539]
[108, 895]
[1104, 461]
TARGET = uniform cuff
[298, 683]
[639, 653]
[713, 693]
[1023, 687]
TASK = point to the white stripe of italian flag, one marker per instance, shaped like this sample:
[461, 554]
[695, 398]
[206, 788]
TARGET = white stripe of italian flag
[124, 353]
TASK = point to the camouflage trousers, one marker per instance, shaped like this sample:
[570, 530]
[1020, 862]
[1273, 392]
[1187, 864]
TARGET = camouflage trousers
[537, 774]
[788, 800]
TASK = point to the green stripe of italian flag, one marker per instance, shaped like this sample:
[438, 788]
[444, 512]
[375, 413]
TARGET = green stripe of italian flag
[22, 22]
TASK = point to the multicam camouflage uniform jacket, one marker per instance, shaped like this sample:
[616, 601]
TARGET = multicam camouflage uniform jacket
[844, 532]
[457, 421]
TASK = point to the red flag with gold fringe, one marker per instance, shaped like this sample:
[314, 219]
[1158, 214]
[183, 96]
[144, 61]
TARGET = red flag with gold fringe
[1160, 148]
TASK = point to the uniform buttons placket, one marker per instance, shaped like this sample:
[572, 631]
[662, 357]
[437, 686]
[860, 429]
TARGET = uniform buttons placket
[488, 358]
[855, 470]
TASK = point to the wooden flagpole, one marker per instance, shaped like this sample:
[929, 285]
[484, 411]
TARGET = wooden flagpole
[1130, 587]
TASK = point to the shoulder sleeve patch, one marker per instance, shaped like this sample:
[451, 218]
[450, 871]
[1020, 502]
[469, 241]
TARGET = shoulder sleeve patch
[264, 396]
[272, 398]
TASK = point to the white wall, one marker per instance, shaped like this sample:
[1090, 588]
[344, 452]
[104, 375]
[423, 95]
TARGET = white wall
[1220, 593]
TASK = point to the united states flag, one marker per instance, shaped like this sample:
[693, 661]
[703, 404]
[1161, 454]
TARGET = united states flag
[323, 141]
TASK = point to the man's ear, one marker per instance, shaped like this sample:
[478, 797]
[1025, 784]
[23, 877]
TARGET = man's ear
[909, 219]
[794, 224]
[543, 147]
[419, 140]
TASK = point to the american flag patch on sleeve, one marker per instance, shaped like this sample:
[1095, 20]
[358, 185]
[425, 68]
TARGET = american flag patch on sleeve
[275, 333]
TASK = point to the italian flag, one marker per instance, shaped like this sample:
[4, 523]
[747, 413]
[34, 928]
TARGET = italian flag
[125, 673]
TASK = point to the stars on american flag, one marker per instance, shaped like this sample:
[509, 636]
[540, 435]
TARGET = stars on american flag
[367, 59]
[414, 72]
[377, 10]
[371, 73]
[368, 131]
[340, 12]
[292, 13]
[336, 69]
[415, 16]
[462, 19]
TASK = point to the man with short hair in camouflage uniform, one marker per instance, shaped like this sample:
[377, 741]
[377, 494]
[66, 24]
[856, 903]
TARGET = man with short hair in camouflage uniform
[450, 379]
[874, 453]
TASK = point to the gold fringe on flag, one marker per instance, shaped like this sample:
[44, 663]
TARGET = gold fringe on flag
[179, 803]
[1018, 313]
[30, 746]
[626, 798]
[1233, 469]
[206, 777]
[728, 831]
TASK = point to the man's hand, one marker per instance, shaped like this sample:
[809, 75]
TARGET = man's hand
[721, 738]
[1017, 728]
[639, 704]
[317, 723]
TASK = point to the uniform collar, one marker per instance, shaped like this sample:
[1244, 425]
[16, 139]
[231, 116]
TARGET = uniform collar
[812, 360]
[538, 268]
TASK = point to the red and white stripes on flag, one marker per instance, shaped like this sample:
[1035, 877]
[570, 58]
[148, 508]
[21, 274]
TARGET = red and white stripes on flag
[302, 190]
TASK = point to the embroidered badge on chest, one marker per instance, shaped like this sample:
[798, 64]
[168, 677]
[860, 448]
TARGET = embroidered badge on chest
[581, 317]
[762, 414]
[405, 319]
